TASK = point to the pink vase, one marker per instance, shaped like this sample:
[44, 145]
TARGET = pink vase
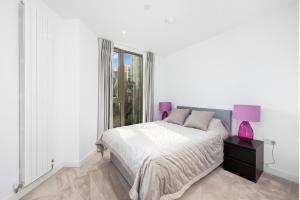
[245, 131]
[164, 115]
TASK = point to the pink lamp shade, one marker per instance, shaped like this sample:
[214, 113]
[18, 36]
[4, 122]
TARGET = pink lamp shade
[165, 107]
[246, 113]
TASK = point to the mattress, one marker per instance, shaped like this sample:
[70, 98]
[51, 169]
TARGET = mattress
[120, 166]
[143, 149]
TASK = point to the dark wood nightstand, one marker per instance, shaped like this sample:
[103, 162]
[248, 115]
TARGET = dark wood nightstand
[245, 159]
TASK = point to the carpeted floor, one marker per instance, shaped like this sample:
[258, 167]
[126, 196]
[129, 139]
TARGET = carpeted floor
[98, 179]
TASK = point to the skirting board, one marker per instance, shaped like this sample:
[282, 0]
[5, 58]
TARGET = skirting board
[39, 181]
[281, 174]
[32, 186]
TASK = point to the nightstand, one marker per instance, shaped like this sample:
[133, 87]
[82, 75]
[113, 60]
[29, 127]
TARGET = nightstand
[245, 159]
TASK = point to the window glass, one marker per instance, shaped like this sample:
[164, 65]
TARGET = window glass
[115, 75]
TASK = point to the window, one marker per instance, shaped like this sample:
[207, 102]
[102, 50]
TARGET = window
[127, 88]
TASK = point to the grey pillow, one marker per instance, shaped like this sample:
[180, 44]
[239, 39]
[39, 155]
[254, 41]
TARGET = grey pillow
[199, 119]
[177, 116]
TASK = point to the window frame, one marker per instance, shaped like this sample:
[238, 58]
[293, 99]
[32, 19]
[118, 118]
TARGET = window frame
[122, 87]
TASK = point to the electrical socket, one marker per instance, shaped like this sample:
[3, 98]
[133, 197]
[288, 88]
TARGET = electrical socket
[268, 141]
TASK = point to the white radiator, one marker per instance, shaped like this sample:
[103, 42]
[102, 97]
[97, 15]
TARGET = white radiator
[36, 57]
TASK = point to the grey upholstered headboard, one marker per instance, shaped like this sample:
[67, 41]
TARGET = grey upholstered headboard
[224, 115]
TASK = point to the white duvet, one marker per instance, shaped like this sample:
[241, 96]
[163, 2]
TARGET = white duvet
[139, 146]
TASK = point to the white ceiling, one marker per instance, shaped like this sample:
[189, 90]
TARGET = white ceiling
[194, 20]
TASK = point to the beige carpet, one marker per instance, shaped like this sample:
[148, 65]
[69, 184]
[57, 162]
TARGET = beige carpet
[98, 179]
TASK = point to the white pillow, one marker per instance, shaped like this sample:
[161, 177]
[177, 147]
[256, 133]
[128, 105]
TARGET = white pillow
[178, 116]
[199, 119]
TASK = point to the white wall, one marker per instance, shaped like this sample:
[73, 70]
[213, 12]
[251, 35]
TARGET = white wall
[59, 90]
[9, 96]
[74, 90]
[88, 105]
[160, 79]
[77, 88]
[256, 63]
[71, 90]
[63, 65]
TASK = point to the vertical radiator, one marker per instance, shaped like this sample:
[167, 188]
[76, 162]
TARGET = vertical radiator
[35, 76]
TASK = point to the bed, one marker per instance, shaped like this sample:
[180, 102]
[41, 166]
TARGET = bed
[161, 160]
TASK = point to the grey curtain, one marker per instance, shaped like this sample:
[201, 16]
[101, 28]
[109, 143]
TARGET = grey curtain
[105, 50]
[149, 70]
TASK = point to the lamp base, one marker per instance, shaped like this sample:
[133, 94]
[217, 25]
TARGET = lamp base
[164, 115]
[245, 131]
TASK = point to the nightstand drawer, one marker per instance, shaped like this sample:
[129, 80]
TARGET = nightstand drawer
[239, 153]
[240, 168]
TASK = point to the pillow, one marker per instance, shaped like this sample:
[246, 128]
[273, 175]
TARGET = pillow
[199, 119]
[177, 116]
[215, 124]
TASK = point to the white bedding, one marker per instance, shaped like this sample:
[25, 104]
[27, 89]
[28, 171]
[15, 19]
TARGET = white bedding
[133, 144]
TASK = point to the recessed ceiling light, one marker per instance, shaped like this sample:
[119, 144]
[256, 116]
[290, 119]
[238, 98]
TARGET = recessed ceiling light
[147, 6]
[169, 20]
[123, 32]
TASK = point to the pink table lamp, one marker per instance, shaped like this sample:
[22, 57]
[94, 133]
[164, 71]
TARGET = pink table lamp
[165, 107]
[246, 113]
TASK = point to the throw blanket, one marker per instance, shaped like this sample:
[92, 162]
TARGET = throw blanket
[166, 159]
